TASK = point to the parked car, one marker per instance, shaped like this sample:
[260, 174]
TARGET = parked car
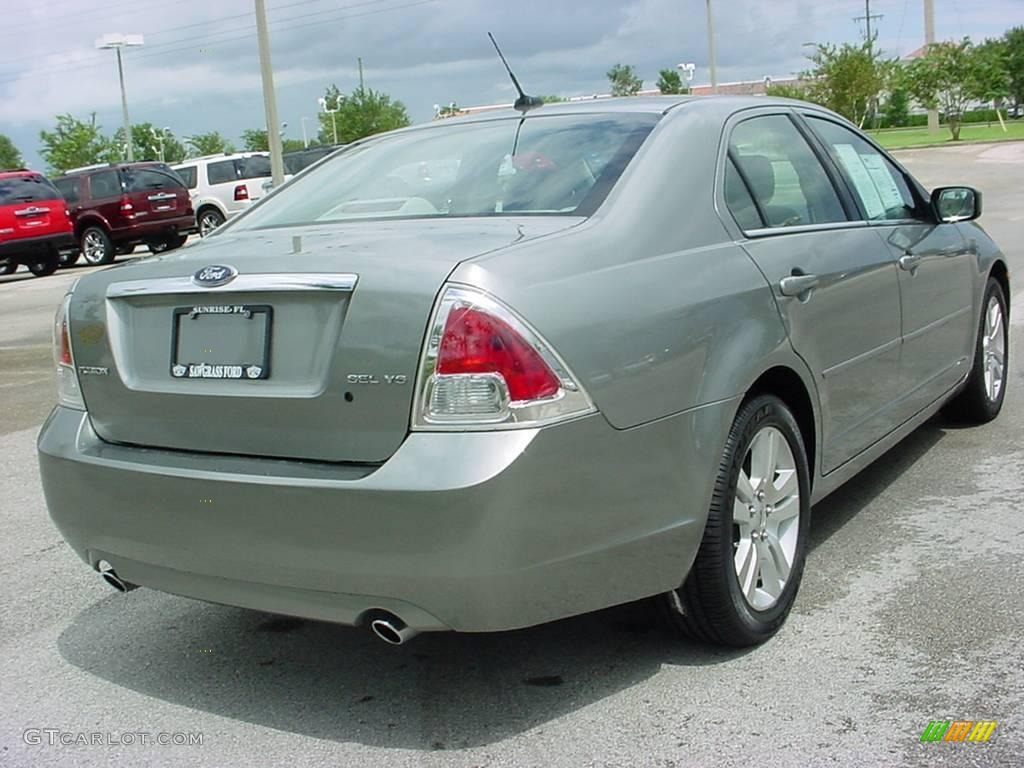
[34, 223]
[300, 160]
[116, 206]
[524, 366]
[223, 185]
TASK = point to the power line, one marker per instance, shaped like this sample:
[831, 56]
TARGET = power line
[199, 41]
[866, 18]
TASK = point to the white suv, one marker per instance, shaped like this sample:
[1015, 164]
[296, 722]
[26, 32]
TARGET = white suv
[223, 185]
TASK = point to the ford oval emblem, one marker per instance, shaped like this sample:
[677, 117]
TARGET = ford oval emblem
[214, 275]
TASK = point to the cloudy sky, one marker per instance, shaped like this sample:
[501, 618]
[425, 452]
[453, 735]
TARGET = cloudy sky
[199, 71]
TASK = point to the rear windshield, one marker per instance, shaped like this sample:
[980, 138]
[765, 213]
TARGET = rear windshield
[26, 189]
[558, 165]
[188, 175]
[155, 177]
[298, 161]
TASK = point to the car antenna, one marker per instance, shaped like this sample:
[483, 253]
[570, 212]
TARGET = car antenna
[524, 103]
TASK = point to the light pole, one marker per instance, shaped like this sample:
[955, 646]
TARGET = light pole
[269, 99]
[117, 41]
[159, 137]
[711, 49]
[337, 105]
[305, 141]
[687, 68]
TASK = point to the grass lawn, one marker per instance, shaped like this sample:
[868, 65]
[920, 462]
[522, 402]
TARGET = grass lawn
[894, 138]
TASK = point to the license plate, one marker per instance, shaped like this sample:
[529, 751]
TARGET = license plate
[230, 341]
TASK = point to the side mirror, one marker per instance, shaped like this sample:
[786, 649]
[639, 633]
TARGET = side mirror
[956, 204]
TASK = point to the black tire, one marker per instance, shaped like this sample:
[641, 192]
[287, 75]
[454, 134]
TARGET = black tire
[8, 267]
[43, 267]
[169, 244]
[710, 605]
[125, 249]
[974, 404]
[69, 258]
[96, 247]
[208, 219]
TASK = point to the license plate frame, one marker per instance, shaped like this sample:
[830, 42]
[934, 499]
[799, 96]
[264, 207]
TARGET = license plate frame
[242, 370]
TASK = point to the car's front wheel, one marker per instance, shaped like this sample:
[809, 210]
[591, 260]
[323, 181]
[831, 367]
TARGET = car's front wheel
[168, 244]
[982, 396]
[69, 258]
[745, 578]
[96, 246]
[7, 266]
[43, 267]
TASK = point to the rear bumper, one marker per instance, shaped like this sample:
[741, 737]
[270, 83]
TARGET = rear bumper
[472, 532]
[27, 248]
[139, 231]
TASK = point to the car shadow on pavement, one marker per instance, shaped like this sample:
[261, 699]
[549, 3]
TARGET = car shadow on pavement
[440, 691]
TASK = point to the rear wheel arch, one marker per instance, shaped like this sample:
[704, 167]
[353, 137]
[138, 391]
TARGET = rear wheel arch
[90, 221]
[786, 384]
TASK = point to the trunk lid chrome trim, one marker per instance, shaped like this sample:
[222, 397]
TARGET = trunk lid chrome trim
[309, 281]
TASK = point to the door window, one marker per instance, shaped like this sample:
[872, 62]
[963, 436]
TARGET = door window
[255, 167]
[104, 184]
[738, 198]
[782, 173]
[881, 188]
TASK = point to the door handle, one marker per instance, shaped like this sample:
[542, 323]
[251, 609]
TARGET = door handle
[797, 285]
[909, 261]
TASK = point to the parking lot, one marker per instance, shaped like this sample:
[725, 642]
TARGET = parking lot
[908, 613]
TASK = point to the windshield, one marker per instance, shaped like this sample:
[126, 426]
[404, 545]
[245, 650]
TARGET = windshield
[560, 165]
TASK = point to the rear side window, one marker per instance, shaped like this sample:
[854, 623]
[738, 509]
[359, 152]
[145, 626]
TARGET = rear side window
[68, 188]
[188, 175]
[104, 184]
[881, 188]
[144, 179]
[782, 173]
[255, 167]
[221, 172]
[26, 189]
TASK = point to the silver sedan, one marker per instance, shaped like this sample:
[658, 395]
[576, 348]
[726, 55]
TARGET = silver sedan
[496, 371]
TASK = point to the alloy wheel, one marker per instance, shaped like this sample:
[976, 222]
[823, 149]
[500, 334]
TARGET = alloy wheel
[94, 249]
[766, 518]
[993, 348]
[209, 222]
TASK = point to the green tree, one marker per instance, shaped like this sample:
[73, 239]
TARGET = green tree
[364, 112]
[990, 77]
[946, 78]
[553, 98]
[1014, 44]
[896, 110]
[671, 82]
[73, 143]
[847, 78]
[211, 143]
[624, 80]
[787, 91]
[146, 144]
[10, 157]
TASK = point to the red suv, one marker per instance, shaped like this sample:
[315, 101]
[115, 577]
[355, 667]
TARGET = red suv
[34, 223]
[116, 206]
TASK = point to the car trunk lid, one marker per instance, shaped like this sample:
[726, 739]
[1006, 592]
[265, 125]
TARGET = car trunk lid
[310, 352]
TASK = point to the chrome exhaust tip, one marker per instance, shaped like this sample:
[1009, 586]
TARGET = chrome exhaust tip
[110, 576]
[392, 630]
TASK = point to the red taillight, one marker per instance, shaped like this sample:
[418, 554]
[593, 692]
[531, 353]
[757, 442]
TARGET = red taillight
[241, 192]
[477, 342]
[126, 204]
[65, 344]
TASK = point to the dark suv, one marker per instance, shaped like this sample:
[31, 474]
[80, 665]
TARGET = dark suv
[34, 223]
[116, 206]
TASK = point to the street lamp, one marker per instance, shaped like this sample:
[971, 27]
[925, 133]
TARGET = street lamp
[159, 137]
[305, 141]
[117, 41]
[337, 105]
[687, 68]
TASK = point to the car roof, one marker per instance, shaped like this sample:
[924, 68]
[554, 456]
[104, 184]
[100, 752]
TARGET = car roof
[16, 172]
[221, 156]
[110, 167]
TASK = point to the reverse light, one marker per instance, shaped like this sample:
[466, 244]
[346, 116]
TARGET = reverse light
[241, 192]
[485, 367]
[69, 394]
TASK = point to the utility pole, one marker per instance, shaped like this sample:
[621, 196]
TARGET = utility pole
[929, 39]
[866, 18]
[711, 49]
[269, 99]
[118, 41]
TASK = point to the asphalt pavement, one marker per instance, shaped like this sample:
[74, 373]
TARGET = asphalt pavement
[909, 612]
